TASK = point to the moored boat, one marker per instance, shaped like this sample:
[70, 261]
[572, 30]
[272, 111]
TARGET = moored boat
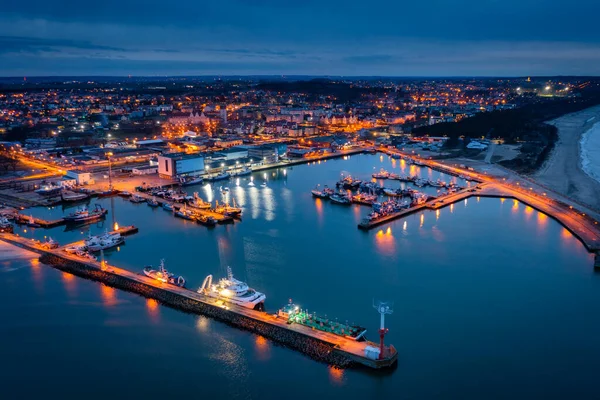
[72, 197]
[221, 176]
[84, 214]
[319, 193]
[5, 225]
[190, 180]
[340, 198]
[382, 174]
[163, 275]
[104, 241]
[152, 202]
[233, 291]
[137, 199]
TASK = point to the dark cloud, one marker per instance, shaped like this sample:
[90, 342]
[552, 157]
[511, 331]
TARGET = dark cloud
[17, 44]
[487, 37]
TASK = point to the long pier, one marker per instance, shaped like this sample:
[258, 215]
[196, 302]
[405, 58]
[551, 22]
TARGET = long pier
[320, 345]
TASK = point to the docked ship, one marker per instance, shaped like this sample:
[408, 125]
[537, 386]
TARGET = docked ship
[295, 315]
[198, 202]
[340, 198]
[206, 220]
[163, 275]
[103, 242]
[190, 180]
[319, 193]
[382, 174]
[184, 213]
[71, 197]
[108, 192]
[137, 199]
[50, 243]
[347, 182]
[243, 172]
[84, 215]
[5, 225]
[233, 291]
[152, 202]
[226, 209]
[364, 198]
[48, 189]
[221, 176]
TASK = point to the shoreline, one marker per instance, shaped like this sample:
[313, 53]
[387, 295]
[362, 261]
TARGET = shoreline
[564, 171]
[586, 153]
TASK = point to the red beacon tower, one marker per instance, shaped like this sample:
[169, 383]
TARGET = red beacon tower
[382, 308]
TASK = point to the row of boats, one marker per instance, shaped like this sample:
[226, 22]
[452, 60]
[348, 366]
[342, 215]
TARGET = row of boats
[198, 180]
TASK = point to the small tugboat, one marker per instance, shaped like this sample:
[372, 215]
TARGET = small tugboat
[319, 193]
[163, 275]
[137, 199]
[84, 215]
[340, 198]
[5, 225]
[153, 203]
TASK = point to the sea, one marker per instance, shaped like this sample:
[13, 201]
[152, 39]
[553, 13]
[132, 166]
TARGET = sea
[491, 300]
[590, 151]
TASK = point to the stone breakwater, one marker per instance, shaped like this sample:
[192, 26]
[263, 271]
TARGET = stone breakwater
[312, 347]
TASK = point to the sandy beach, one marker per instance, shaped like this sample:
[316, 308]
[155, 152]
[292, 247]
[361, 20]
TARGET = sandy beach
[563, 171]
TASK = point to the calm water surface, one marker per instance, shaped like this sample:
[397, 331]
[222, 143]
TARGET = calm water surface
[492, 300]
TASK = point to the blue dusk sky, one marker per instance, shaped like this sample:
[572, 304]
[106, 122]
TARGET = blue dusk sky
[310, 37]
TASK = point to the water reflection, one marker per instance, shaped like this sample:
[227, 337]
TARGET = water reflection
[336, 375]
[203, 324]
[153, 310]
[437, 214]
[515, 206]
[384, 241]
[422, 220]
[109, 295]
[262, 347]
[319, 207]
[69, 282]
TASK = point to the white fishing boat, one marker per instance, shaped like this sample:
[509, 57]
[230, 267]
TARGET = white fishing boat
[162, 275]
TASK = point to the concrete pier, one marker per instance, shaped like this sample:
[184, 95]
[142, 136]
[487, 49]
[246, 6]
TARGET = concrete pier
[319, 345]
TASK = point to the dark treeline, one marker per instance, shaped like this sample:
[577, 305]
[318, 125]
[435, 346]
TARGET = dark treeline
[340, 91]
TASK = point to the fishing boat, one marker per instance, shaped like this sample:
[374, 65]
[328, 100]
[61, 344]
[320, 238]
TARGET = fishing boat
[226, 209]
[71, 197]
[163, 275]
[84, 214]
[153, 203]
[48, 189]
[392, 192]
[108, 192]
[264, 184]
[233, 291]
[184, 213]
[221, 176]
[394, 176]
[364, 198]
[5, 225]
[137, 199]
[396, 156]
[243, 172]
[421, 182]
[198, 202]
[125, 194]
[104, 241]
[167, 206]
[319, 193]
[340, 198]
[250, 183]
[190, 180]
[347, 182]
[382, 174]
[206, 220]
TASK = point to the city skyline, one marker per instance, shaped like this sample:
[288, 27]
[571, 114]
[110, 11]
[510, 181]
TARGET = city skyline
[270, 38]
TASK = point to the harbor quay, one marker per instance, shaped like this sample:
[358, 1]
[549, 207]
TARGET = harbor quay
[321, 345]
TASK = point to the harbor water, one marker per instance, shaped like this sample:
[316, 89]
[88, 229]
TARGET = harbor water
[492, 299]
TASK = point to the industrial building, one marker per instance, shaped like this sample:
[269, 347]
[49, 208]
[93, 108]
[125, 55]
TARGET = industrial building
[180, 164]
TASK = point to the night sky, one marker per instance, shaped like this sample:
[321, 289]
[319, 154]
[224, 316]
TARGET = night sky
[310, 37]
